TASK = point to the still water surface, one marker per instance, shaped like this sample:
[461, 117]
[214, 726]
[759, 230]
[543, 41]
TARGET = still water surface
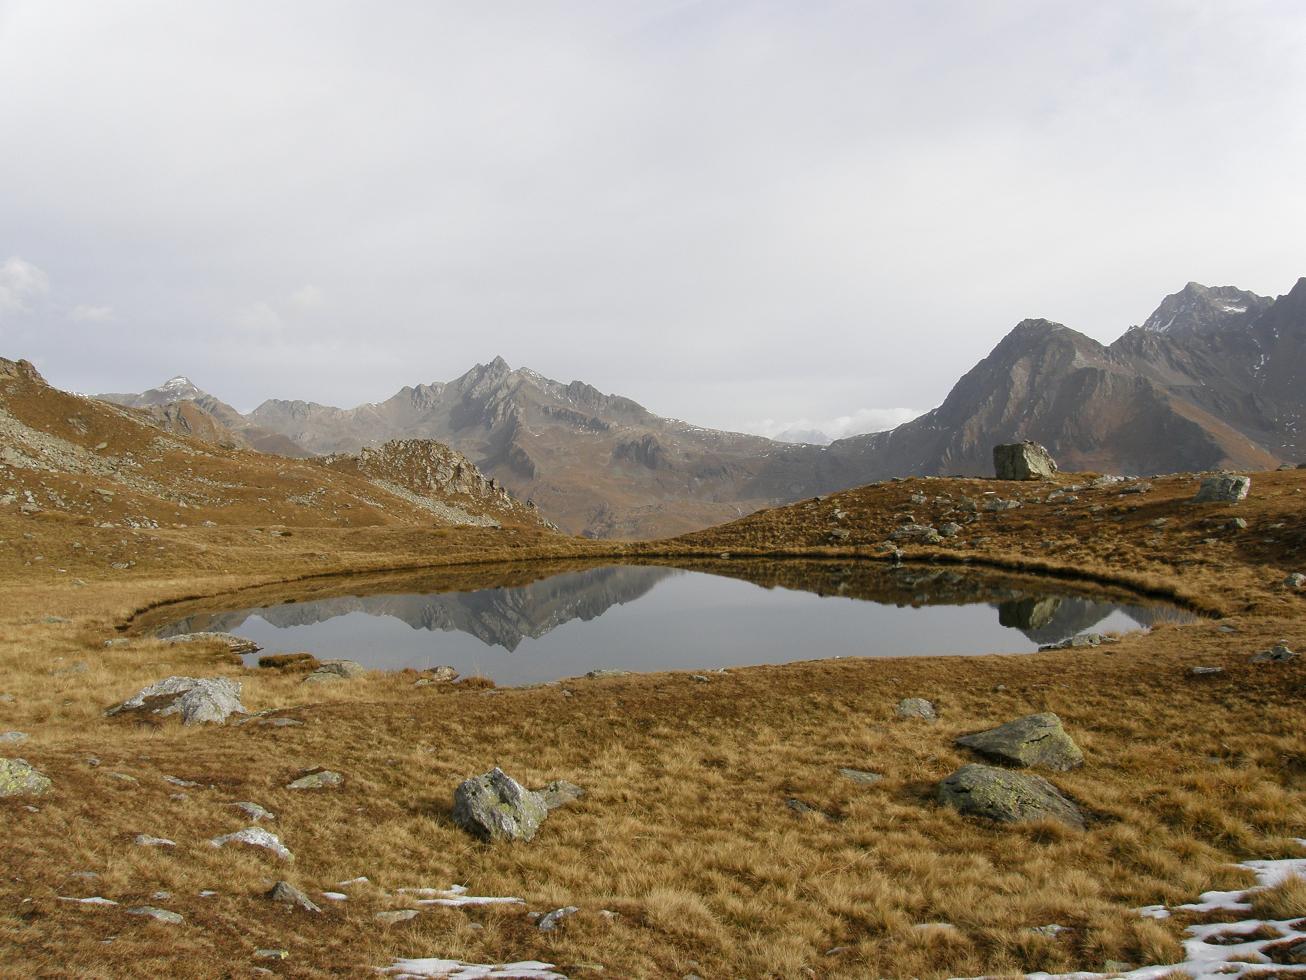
[643, 618]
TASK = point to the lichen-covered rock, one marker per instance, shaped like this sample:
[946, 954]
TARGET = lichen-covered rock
[288, 894]
[1023, 461]
[17, 778]
[255, 837]
[236, 644]
[336, 670]
[199, 700]
[1223, 488]
[917, 534]
[916, 708]
[158, 915]
[558, 793]
[494, 806]
[317, 779]
[1035, 740]
[1278, 653]
[1007, 797]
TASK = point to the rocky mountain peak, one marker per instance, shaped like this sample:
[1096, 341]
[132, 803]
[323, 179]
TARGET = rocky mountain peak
[1203, 309]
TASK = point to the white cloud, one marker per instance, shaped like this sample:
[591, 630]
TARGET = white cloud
[91, 314]
[840, 427]
[21, 283]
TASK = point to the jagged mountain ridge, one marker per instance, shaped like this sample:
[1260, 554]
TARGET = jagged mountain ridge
[1211, 379]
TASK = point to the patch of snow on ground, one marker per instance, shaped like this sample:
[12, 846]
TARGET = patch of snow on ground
[1205, 959]
[458, 970]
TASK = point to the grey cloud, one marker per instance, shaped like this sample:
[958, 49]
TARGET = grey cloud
[730, 212]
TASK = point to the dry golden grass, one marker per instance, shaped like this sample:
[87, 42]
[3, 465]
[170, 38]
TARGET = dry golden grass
[685, 832]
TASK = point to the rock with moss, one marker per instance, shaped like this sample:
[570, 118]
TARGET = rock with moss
[198, 700]
[17, 778]
[1023, 461]
[916, 708]
[1223, 488]
[1033, 741]
[1007, 797]
[494, 806]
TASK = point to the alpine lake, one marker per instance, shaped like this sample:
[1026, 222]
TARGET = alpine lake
[534, 624]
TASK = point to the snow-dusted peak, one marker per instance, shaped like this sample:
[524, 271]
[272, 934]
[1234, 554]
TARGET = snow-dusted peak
[1203, 309]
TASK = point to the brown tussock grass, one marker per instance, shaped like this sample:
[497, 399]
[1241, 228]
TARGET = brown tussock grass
[684, 832]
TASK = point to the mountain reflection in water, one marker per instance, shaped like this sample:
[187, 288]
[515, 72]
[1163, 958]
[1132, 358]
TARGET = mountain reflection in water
[658, 618]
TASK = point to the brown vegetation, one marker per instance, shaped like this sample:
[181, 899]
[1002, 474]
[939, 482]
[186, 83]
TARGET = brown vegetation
[684, 832]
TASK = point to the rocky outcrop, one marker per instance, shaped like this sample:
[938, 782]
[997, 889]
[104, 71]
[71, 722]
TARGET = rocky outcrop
[1223, 488]
[1023, 461]
[198, 700]
[494, 807]
[18, 778]
[1007, 797]
[1033, 741]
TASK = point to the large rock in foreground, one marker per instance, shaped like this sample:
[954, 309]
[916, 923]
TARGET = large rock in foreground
[17, 778]
[1023, 461]
[497, 807]
[1035, 740]
[1006, 796]
[1223, 488]
[198, 700]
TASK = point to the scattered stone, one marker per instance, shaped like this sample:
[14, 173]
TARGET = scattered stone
[701, 678]
[602, 672]
[236, 644]
[995, 505]
[1007, 797]
[1237, 524]
[177, 781]
[397, 916]
[317, 779]
[271, 954]
[916, 533]
[916, 708]
[1035, 740]
[1295, 581]
[1223, 488]
[1133, 488]
[798, 806]
[1206, 671]
[559, 793]
[7, 699]
[145, 840]
[254, 811]
[17, 778]
[861, 776]
[255, 837]
[13, 737]
[949, 530]
[288, 894]
[198, 700]
[1023, 461]
[336, 670]
[1275, 655]
[1052, 931]
[494, 806]
[551, 921]
[1159, 522]
[444, 674]
[158, 915]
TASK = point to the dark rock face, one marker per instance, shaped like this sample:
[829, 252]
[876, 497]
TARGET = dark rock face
[1007, 797]
[1035, 740]
[1023, 461]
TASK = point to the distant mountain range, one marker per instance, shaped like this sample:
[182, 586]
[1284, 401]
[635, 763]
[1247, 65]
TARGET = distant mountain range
[1212, 378]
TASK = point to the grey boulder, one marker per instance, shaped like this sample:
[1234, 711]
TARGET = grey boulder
[1223, 488]
[494, 806]
[1007, 797]
[17, 778]
[336, 670]
[236, 644]
[1023, 461]
[199, 700]
[288, 894]
[1035, 740]
[559, 793]
[916, 708]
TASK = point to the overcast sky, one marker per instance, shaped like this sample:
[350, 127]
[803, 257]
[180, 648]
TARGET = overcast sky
[748, 215]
